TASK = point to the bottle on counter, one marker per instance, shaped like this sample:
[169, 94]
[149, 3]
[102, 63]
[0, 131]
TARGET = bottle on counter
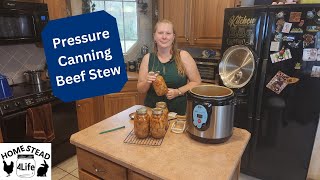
[141, 123]
[157, 123]
[159, 85]
[163, 106]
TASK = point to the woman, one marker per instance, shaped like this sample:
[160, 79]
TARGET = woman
[177, 67]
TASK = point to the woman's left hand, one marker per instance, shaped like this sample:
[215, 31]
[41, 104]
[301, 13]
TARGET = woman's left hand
[172, 93]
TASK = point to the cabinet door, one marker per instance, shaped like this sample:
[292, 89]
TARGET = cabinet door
[177, 12]
[115, 103]
[90, 111]
[207, 21]
[83, 175]
[85, 113]
[57, 9]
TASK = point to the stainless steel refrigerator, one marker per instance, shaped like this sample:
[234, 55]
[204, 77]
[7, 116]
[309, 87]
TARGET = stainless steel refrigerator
[280, 106]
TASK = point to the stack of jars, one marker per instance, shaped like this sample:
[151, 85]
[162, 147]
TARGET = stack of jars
[156, 125]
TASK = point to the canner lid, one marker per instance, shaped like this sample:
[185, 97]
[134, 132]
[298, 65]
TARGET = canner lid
[237, 66]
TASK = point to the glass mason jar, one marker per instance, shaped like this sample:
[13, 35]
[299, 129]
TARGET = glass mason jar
[163, 106]
[157, 124]
[26, 166]
[141, 123]
[159, 85]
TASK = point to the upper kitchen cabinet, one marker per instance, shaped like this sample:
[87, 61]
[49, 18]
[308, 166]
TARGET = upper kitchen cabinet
[57, 9]
[197, 22]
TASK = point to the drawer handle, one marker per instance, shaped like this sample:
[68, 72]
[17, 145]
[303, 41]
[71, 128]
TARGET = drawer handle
[98, 170]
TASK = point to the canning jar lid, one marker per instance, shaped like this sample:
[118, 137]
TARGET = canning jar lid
[237, 66]
[157, 111]
[142, 110]
[161, 104]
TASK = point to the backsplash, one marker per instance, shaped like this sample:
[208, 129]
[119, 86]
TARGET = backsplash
[15, 59]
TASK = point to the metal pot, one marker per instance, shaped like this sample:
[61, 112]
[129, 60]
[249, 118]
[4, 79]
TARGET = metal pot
[34, 76]
[210, 112]
[210, 108]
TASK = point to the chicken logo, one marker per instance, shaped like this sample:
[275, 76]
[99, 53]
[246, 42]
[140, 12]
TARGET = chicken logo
[8, 168]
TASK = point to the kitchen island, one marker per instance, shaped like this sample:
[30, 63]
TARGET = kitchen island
[106, 155]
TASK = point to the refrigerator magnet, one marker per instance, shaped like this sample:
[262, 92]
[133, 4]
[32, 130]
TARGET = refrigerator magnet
[278, 37]
[310, 14]
[280, 14]
[297, 65]
[315, 72]
[278, 82]
[308, 39]
[312, 29]
[317, 40]
[286, 27]
[282, 55]
[301, 23]
[318, 55]
[296, 30]
[295, 17]
[274, 46]
[309, 54]
[288, 38]
[292, 80]
[294, 44]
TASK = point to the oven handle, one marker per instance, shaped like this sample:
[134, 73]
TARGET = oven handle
[14, 114]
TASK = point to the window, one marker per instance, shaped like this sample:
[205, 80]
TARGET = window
[125, 11]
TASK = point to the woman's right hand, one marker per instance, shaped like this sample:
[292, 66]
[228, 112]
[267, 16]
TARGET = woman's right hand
[151, 77]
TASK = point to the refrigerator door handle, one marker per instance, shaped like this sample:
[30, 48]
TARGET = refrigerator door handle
[261, 88]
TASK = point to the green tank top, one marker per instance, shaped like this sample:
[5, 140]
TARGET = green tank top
[170, 74]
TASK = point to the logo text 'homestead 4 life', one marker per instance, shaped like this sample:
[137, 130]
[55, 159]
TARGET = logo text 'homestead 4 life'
[25, 160]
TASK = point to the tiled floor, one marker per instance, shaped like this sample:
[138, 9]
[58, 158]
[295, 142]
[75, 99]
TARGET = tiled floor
[68, 170]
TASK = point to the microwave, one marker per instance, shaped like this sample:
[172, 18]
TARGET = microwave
[22, 22]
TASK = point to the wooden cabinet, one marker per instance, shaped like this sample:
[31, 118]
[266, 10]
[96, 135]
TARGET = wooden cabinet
[57, 9]
[99, 167]
[93, 167]
[197, 22]
[94, 110]
[117, 102]
[83, 175]
[90, 111]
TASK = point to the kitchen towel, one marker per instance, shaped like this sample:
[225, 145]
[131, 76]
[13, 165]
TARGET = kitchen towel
[39, 123]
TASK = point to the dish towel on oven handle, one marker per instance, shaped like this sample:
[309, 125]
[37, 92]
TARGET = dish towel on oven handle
[39, 124]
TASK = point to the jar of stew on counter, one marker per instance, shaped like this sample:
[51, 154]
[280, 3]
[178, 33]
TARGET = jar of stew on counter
[163, 106]
[141, 123]
[157, 123]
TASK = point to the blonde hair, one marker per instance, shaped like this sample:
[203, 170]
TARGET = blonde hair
[174, 50]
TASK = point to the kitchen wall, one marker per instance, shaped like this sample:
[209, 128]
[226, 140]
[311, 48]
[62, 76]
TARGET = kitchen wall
[15, 59]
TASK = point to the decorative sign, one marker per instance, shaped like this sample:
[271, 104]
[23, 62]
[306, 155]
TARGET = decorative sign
[241, 30]
[84, 56]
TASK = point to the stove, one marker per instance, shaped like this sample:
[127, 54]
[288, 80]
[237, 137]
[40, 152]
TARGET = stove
[26, 96]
